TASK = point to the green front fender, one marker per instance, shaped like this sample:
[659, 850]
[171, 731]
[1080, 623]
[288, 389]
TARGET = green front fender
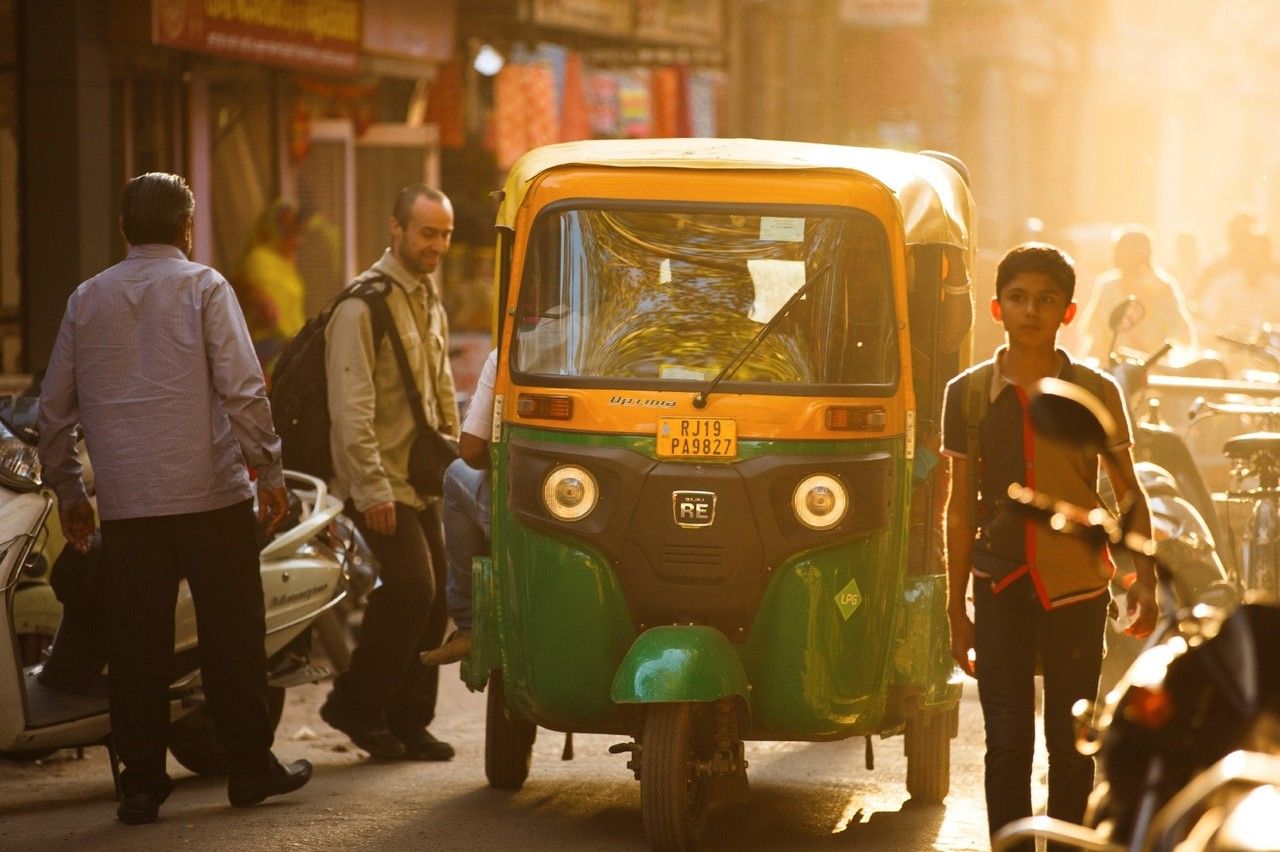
[691, 663]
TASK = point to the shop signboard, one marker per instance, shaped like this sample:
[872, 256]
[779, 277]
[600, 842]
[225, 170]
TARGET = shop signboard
[885, 13]
[693, 22]
[313, 35]
[422, 32]
[598, 17]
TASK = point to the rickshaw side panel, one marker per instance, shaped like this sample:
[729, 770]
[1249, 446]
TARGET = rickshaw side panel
[922, 664]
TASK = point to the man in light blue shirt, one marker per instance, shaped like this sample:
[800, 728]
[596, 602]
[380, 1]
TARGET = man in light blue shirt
[154, 361]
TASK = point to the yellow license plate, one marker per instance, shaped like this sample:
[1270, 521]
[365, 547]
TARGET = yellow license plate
[697, 438]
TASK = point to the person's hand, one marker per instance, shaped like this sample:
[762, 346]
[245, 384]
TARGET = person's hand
[78, 523]
[1142, 608]
[962, 641]
[273, 505]
[381, 518]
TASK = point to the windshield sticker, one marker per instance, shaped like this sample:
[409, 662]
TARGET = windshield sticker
[775, 281]
[783, 229]
[664, 271]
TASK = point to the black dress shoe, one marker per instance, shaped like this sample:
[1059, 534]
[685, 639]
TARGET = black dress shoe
[246, 791]
[139, 808]
[377, 741]
[424, 746]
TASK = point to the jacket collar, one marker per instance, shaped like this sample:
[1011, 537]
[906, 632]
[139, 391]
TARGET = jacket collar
[391, 266]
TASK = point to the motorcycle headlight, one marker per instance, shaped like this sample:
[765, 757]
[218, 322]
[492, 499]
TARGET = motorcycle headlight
[19, 462]
[570, 493]
[820, 502]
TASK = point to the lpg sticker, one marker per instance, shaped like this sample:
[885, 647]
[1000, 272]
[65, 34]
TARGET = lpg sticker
[848, 599]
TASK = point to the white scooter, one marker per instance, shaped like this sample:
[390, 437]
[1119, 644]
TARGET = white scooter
[303, 576]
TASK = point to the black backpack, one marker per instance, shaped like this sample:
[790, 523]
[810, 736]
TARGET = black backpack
[299, 387]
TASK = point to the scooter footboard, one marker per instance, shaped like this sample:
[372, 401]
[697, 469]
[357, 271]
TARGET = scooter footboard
[689, 663]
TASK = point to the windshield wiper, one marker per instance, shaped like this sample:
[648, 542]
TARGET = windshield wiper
[700, 398]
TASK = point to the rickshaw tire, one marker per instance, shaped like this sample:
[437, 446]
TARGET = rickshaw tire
[673, 800]
[928, 750]
[508, 739]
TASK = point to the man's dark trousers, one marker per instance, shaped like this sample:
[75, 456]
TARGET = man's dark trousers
[145, 558]
[405, 615]
[1009, 627]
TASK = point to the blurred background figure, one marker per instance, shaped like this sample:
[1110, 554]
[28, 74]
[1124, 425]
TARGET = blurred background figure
[1164, 315]
[1241, 289]
[267, 282]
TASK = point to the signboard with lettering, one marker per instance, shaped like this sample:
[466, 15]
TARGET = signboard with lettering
[601, 17]
[694, 22]
[315, 35]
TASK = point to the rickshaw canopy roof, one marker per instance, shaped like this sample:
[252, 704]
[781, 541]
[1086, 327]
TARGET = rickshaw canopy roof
[935, 202]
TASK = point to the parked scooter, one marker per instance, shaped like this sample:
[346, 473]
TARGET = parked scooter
[62, 702]
[1206, 686]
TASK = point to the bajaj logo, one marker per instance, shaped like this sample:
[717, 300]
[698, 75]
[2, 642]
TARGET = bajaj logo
[693, 508]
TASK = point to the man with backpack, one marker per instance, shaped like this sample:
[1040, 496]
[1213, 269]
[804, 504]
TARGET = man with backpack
[1039, 597]
[386, 699]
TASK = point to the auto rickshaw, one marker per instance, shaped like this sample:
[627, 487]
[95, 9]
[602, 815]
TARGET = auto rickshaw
[703, 442]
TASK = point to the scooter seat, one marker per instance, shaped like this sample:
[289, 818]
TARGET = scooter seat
[1249, 445]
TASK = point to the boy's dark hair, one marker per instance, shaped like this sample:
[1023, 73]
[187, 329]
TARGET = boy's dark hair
[406, 197]
[1037, 257]
[155, 208]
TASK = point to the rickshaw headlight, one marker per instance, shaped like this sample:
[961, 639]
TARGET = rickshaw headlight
[570, 493]
[820, 501]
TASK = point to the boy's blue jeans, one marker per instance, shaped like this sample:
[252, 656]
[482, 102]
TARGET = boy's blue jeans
[1009, 628]
[466, 534]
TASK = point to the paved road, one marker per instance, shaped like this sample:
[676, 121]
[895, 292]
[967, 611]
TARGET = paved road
[805, 796]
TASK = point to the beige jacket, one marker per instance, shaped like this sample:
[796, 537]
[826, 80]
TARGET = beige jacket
[372, 427]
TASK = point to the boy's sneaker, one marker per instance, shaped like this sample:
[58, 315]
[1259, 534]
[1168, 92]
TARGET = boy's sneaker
[376, 740]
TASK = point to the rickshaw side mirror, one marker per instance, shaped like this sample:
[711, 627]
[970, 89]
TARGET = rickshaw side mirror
[1069, 413]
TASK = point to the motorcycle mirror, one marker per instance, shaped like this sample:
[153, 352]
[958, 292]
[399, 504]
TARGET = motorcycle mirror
[1126, 315]
[1067, 412]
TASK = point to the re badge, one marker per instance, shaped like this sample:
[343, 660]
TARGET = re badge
[693, 508]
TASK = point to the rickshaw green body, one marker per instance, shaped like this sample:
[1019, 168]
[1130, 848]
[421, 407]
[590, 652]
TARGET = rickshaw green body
[551, 615]
[842, 640]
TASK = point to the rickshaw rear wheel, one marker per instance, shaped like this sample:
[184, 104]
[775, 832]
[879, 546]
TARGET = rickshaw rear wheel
[928, 749]
[508, 739]
[674, 788]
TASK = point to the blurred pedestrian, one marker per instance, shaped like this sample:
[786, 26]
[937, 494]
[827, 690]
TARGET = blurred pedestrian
[1163, 315]
[1241, 289]
[153, 360]
[386, 699]
[267, 282]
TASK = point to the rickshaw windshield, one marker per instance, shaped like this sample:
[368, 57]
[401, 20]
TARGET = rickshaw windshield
[636, 296]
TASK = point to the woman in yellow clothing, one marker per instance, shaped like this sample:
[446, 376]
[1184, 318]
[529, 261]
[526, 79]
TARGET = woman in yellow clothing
[268, 284]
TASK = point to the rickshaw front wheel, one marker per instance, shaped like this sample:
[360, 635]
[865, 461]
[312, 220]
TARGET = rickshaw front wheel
[928, 749]
[508, 739]
[675, 787]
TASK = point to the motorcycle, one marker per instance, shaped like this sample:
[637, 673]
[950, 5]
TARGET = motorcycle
[61, 702]
[1191, 731]
[1184, 522]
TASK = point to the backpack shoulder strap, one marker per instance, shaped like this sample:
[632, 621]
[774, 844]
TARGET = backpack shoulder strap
[977, 399]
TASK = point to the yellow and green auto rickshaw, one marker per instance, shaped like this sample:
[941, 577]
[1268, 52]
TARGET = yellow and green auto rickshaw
[705, 429]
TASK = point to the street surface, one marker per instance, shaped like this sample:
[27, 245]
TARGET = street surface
[805, 796]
